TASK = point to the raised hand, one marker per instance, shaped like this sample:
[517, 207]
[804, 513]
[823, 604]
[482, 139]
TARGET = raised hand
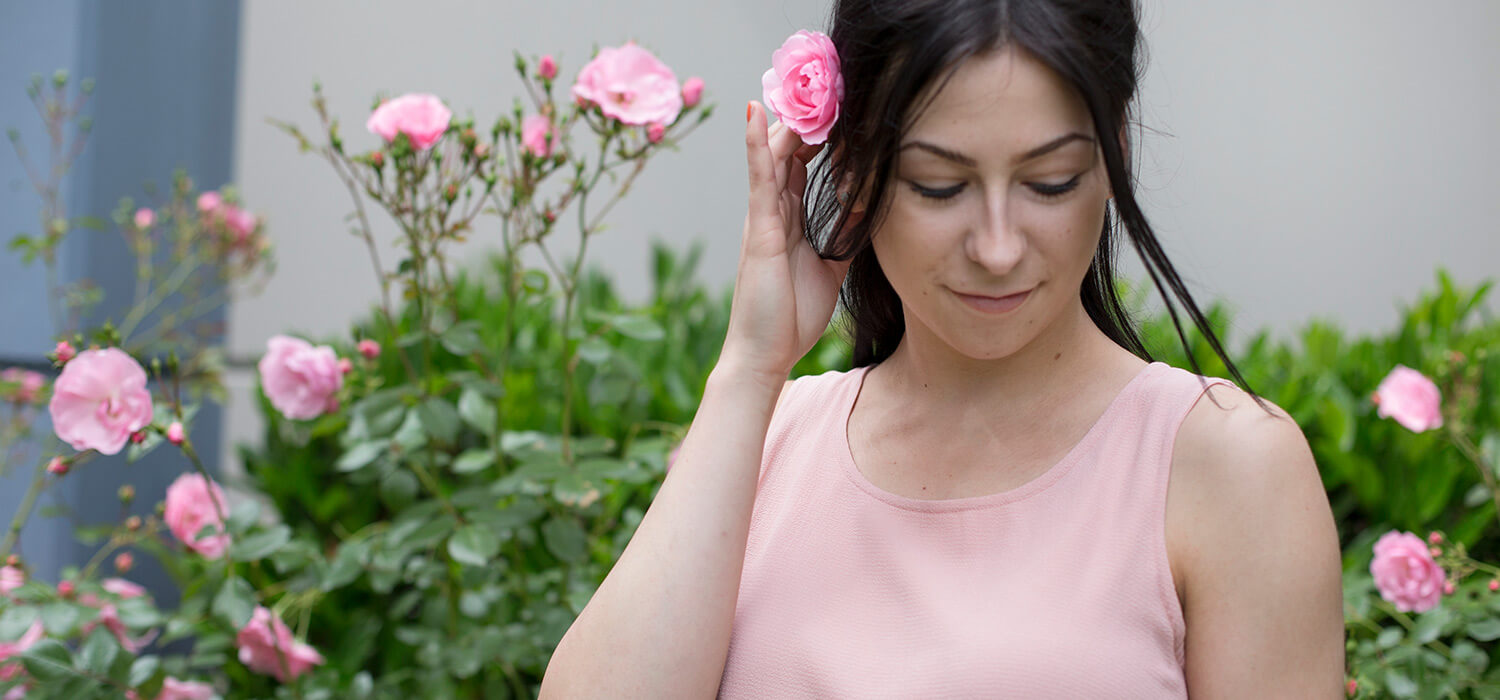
[784, 294]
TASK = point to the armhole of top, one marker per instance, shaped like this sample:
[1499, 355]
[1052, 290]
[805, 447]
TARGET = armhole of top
[1176, 613]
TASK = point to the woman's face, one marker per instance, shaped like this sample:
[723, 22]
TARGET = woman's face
[1000, 189]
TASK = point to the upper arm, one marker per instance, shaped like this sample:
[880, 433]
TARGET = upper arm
[1259, 556]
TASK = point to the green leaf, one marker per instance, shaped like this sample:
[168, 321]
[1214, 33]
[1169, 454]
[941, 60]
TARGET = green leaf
[143, 668]
[59, 618]
[1430, 624]
[477, 411]
[1486, 630]
[359, 456]
[48, 660]
[242, 515]
[235, 602]
[463, 338]
[638, 327]
[138, 613]
[410, 435]
[440, 419]
[14, 621]
[260, 545]
[472, 461]
[594, 350]
[1399, 684]
[566, 539]
[535, 281]
[346, 565]
[1389, 637]
[473, 545]
[98, 651]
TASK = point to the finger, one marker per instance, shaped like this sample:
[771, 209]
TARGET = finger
[765, 204]
[783, 145]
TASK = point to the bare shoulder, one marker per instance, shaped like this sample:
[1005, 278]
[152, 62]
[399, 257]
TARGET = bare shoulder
[1234, 458]
[1250, 531]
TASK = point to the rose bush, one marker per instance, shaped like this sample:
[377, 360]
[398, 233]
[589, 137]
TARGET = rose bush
[254, 590]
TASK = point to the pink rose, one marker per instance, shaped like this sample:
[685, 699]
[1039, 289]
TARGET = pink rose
[99, 400]
[301, 381]
[209, 202]
[1405, 573]
[265, 639]
[547, 68]
[28, 384]
[631, 85]
[423, 118]
[190, 508]
[11, 578]
[804, 86]
[369, 349]
[64, 352]
[1412, 399]
[144, 218]
[32, 635]
[534, 132]
[173, 689]
[109, 615]
[692, 91]
[122, 588]
[241, 223]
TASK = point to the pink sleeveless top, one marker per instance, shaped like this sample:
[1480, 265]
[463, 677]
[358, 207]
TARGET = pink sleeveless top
[1059, 588]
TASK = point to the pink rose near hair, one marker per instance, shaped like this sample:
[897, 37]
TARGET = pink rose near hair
[422, 117]
[803, 86]
[190, 508]
[301, 381]
[631, 85]
[1410, 398]
[99, 400]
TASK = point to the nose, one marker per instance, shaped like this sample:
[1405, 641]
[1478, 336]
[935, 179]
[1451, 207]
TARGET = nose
[996, 243]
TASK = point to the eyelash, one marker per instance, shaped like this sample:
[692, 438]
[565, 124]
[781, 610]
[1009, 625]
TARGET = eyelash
[1043, 191]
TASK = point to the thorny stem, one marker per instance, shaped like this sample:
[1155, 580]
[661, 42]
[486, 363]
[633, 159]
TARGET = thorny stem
[1472, 452]
[38, 480]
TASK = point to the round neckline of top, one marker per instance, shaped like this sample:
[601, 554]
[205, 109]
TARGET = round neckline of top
[1036, 485]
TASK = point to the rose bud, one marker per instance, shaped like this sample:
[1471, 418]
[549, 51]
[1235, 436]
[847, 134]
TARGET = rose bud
[547, 68]
[57, 466]
[64, 352]
[124, 562]
[175, 434]
[369, 349]
[65, 589]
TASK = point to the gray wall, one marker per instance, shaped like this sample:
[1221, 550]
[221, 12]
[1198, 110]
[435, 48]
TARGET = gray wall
[1300, 159]
[164, 99]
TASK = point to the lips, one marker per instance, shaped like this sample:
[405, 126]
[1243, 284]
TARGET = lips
[993, 304]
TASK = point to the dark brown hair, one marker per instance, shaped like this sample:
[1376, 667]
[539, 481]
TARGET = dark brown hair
[890, 51]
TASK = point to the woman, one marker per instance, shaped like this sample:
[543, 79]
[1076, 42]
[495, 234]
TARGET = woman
[1005, 498]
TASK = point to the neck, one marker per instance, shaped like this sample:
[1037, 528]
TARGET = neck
[1030, 383]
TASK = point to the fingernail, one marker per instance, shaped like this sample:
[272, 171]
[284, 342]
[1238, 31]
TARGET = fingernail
[749, 109]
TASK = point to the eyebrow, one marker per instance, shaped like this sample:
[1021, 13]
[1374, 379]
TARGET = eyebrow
[1034, 153]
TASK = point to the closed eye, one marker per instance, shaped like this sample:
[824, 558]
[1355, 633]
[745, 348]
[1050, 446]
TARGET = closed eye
[1044, 190]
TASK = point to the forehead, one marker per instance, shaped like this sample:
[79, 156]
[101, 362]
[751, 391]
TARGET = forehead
[1001, 102]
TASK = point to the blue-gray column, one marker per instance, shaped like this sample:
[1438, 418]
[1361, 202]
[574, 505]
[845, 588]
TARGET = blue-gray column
[164, 73]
